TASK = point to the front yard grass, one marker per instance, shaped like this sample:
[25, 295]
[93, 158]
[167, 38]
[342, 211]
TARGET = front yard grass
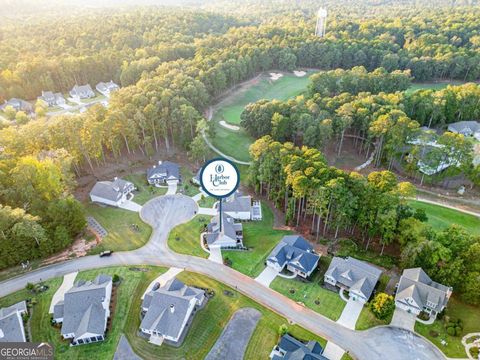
[312, 294]
[456, 309]
[207, 201]
[209, 323]
[260, 238]
[185, 238]
[144, 191]
[122, 236]
[186, 187]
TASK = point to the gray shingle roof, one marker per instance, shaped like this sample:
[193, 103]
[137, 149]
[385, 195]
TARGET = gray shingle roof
[238, 202]
[297, 350]
[82, 91]
[354, 274]
[166, 170]
[107, 86]
[296, 251]
[11, 327]
[465, 127]
[82, 307]
[167, 307]
[110, 190]
[229, 229]
[415, 283]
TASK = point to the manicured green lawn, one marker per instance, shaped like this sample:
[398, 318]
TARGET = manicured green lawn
[185, 238]
[329, 302]
[186, 187]
[433, 86]
[207, 201]
[441, 217]
[236, 143]
[118, 223]
[144, 191]
[470, 316]
[366, 320]
[260, 238]
[209, 323]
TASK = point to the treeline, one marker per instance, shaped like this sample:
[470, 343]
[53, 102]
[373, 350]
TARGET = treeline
[373, 209]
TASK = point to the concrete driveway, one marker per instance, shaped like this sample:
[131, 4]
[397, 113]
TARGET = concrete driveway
[403, 319]
[130, 205]
[333, 351]
[216, 255]
[236, 335]
[172, 187]
[350, 314]
[267, 276]
[59, 295]
[207, 211]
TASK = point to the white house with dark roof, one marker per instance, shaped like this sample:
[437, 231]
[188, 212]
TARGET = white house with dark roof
[231, 234]
[82, 92]
[11, 323]
[106, 88]
[167, 311]
[113, 193]
[18, 105]
[290, 348]
[242, 207]
[85, 310]
[416, 292]
[163, 173]
[466, 128]
[356, 276]
[52, 99]
[294, 253]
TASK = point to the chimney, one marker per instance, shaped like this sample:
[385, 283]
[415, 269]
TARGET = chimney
[172, 308]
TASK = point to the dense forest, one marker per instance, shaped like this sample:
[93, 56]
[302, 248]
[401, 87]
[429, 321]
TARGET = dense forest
[173, 63]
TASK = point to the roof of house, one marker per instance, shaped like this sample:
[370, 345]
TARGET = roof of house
[11, 327]
[416, 284]
[104, 86]
[21, 307]
[238, 203]
[229, 228]
[464, 127]
[355, 274]
[167, 307]
[82, 88]
[297, 350]
[83, 311]
[166, 169]
[110, 190]
[296, 251]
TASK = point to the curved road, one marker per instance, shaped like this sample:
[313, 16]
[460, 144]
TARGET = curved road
[166, 212]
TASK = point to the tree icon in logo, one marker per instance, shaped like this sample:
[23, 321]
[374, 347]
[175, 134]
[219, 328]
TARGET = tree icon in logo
[219, 168]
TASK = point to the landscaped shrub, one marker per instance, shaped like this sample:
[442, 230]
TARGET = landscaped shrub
[115, 278]
[474, 351]
[382, 306]
[433, 333]
[453, 326]
[282, 329]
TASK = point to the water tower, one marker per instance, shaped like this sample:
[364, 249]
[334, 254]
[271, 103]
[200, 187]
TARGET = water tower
[321, 22]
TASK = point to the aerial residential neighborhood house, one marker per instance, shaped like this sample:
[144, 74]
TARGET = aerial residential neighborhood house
[11, 323]
[163, 173]
[85, 310]
[241, 207]
[296, 254]
[231, 234]
[167, 310]
[107, 88]
[52, 99]
[18, 105]
[82, 92]
[112, 193]
[292, 349]
[356, 276]
[466, 128]
[416, 292]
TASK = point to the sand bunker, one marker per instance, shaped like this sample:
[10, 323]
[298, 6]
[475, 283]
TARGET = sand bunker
[229, 126]
[275, 76]
[300, 73]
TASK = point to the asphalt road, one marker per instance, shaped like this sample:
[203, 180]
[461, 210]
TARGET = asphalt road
[166, 212]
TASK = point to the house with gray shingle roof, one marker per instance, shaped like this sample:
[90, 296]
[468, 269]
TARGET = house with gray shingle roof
[82, 92]
[18, 105]
[52, 99]
[163, 173]
[242, 207]
[416, 292]
[466, 128]
[293, 349]
[231, 234]
[11, 323]
[356, 276]
[106, 88]
[167, 311]
[113, 193]
[296, 254]
[85, 310]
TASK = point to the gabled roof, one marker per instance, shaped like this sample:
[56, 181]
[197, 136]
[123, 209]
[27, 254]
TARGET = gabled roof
[78, 89]
[110, 190]
[166, 169]
[83, 311]
[229, 229]
[465, 127]
[415, 283]
[354, 274]
[11, 328]
[297, 350]
[238, 203]
[167, 307]
[296, 251]
[107, 86]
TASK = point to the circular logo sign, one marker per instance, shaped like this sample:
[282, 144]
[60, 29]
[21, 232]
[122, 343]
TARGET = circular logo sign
[219, 178]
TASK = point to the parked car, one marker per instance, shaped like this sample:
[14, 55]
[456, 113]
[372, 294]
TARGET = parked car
[106, 253]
